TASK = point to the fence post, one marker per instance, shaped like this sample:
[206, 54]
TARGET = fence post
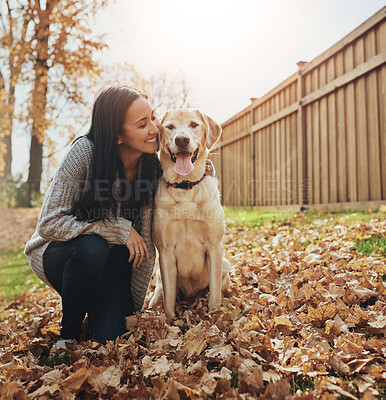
[302, 140]
[253, 160]
[222, 171]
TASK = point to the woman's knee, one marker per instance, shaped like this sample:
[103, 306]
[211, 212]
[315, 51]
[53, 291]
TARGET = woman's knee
[92, 250]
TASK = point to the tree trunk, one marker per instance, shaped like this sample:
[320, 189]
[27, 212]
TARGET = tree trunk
[39, 124]
[7, 155]
[7, 107]
[35, 165]
[39, 100]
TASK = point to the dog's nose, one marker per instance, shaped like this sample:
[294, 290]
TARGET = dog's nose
[182, 141]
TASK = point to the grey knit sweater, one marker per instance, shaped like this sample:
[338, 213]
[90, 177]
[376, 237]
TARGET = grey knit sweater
[56, 222]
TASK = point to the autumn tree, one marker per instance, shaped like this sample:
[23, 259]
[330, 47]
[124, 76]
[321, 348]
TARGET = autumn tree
[168, 91]
[14, 47]
[64, 68]
[165, 89]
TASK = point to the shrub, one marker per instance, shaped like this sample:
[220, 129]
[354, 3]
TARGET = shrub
[14, 193]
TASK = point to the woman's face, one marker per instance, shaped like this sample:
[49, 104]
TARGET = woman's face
[141, 127]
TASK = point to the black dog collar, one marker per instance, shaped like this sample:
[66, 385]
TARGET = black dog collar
[184, 184]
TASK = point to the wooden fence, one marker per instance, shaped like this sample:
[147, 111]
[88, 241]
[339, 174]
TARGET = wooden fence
[319, 137]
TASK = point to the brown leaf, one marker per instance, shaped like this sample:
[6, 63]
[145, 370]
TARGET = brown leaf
[75, 381]
[252, 383]
[338, 365]
[320, 315]
[331, 329]
[101, 380]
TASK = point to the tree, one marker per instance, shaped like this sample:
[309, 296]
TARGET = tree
[164, 89]
[62, 53]
[168, 91]
[14, 47]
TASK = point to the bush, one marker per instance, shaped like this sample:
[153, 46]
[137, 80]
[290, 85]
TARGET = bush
[14, 193]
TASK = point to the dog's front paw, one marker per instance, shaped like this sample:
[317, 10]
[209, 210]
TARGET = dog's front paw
[214, 305]
[170, 314]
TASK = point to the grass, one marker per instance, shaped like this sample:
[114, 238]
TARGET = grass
[347, 217]
[55, 359]
[255, 217]
[15, 274]
[302, 383]
[252, 217]
[372, 245]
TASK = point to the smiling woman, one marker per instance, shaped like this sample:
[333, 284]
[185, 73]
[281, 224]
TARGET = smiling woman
[86, 244]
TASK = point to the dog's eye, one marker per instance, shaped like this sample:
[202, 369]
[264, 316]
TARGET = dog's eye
[193, 125]
[171, 127]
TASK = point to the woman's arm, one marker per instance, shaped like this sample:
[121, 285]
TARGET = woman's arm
[56, 221]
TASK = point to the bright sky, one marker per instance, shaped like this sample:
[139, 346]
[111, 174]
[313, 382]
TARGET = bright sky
[229, 50]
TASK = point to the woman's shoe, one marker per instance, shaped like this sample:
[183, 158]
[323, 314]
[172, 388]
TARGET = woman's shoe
[61, 344]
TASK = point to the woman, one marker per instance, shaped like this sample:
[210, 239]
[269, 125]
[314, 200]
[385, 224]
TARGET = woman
[93, 241]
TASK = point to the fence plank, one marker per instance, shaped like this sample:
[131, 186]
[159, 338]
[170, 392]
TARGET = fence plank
[373, 133]
[332, 147]
[278, 164]
[323, 140]
[302, 147]
[341, 134]
[341, 147]
[267, 166]
[351, 131]
[360, 112]
[282, 163]
[258, 167]
[294, 149]
[331, 110]
[272, 165]
[287, 167]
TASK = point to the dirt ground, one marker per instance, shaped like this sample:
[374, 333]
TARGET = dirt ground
[17, 226]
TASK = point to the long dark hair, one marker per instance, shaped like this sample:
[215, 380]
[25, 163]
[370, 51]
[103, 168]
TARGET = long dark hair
[108, 117]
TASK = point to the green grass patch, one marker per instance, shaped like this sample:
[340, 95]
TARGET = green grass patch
[302, 383]
[252, 216]
[346, 217]
[382, 392]
[54, 359]
[234, 379]
[15, 274]
[372, 245]
[256, 217]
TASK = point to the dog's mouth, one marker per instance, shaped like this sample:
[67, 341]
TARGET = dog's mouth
[183, 161]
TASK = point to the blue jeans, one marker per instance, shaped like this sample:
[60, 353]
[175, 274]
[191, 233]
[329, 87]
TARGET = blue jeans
[94, 279]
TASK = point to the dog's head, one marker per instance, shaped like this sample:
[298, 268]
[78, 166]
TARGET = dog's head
[186, 135]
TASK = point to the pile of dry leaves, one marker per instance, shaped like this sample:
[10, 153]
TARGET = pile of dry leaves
[304, 318]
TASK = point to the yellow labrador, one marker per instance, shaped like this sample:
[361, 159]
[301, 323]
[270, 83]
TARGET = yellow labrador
[188, 224]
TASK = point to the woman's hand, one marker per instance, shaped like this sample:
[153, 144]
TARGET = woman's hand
[209, 168]
[137, 248]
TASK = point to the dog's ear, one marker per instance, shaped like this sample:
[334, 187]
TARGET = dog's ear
[213, 130]
[162, 119]
[161, 131]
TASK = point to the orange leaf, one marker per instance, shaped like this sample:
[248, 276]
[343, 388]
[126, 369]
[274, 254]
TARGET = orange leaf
[320, 315]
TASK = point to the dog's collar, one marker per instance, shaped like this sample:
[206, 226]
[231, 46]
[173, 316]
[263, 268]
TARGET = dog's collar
[184, 184]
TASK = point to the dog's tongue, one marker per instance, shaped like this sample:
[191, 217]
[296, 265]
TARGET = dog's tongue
[183, 164]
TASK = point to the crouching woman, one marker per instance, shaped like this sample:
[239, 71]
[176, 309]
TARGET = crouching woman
[93, 241]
